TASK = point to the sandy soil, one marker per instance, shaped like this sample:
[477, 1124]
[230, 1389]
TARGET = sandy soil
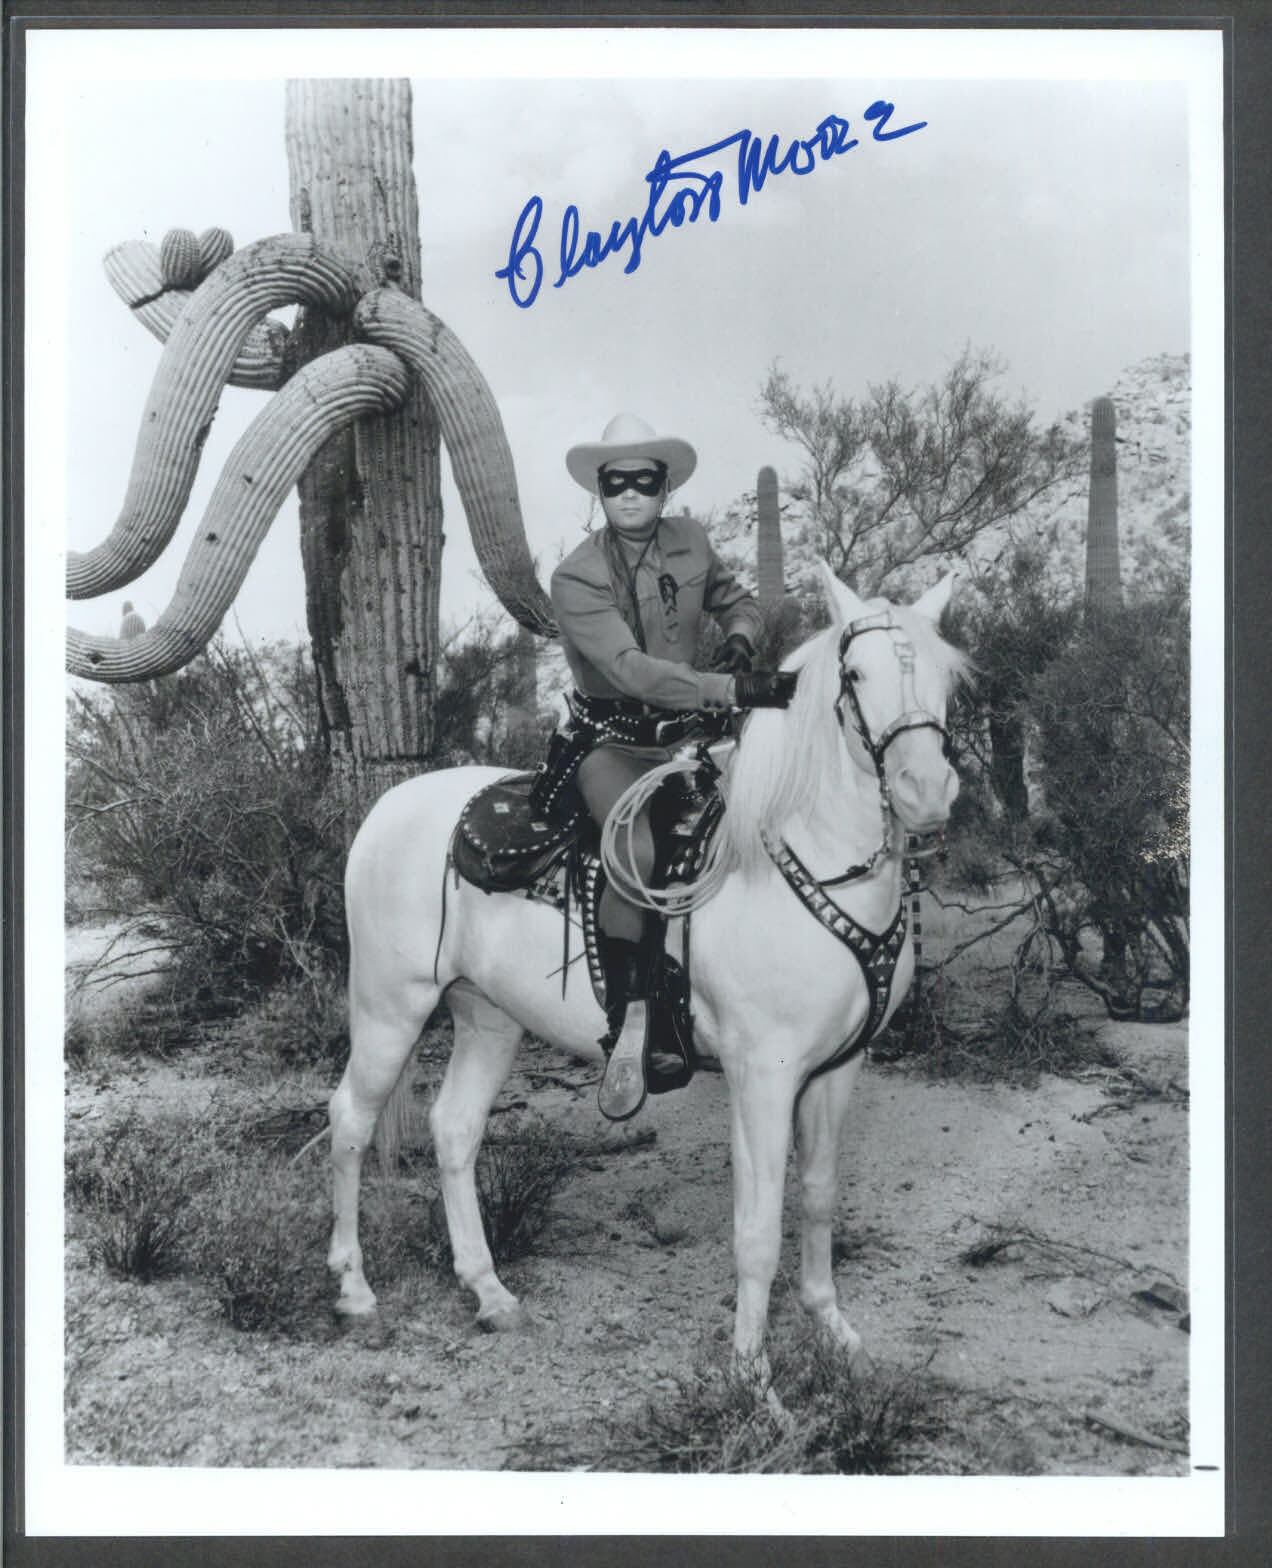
[1025, 1245]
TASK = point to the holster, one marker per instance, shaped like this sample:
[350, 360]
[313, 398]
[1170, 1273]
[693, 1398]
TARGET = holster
[550, 793]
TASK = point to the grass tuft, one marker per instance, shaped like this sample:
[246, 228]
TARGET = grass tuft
[258, 1241]
[519, 1173]
[132, 1188]
[948, 1031]
[841, 1421]
[191, 1194]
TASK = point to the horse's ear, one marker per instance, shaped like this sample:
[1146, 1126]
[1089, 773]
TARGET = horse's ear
[935, 599]
[843, 603]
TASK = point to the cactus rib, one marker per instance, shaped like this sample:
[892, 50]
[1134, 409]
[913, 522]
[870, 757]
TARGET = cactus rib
[133, 271]
[214, 246]
[187, 387]
[266, 462]
[481, 459]
[179, 259]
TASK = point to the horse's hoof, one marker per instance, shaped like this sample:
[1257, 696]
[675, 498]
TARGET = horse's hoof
[780, 1415]
[506, 1320]
[367, 1330]
[354, 1301]
[861, 1364]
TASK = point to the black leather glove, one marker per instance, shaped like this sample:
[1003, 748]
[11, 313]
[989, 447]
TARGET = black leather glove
[764, 689]
[737, 655]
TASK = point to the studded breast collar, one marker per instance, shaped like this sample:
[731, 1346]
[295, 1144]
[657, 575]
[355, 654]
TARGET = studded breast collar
[876, 952]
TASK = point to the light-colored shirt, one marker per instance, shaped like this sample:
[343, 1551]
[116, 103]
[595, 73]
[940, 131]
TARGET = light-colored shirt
[678, 579]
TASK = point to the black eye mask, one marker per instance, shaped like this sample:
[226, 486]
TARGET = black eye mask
[645, 481]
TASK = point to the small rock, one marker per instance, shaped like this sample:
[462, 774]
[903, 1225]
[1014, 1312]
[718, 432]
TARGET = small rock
[1074, 1298]
[1160, 1294]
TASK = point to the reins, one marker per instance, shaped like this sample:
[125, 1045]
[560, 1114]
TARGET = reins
[912, 717]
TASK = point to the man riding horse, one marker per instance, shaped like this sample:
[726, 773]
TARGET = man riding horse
[629, 601]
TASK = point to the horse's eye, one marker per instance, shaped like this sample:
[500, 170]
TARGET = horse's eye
[855, 676]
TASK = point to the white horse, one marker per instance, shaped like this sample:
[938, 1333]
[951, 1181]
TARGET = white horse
[838, 779]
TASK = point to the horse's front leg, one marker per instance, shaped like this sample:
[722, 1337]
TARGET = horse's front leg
[821, 1111]
[762, 1101]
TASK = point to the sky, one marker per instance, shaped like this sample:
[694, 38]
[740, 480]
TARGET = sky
[1043, 217]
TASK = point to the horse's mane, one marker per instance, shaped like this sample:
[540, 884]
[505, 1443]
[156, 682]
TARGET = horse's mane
[786, 760]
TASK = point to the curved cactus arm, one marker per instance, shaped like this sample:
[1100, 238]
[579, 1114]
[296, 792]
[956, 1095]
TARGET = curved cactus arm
[133, 271]
[479, 453]
[271, 455]
[193, 368]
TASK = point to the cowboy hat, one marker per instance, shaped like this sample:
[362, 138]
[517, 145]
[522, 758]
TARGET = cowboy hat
[627, 435]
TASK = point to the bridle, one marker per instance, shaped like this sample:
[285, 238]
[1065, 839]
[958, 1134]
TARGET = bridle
[913, 716]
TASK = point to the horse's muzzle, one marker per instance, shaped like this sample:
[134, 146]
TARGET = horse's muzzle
[922, 797]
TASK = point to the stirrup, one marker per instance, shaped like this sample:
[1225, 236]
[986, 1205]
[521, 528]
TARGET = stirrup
[622, 1090]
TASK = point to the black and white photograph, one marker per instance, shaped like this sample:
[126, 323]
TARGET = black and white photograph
[624, 781]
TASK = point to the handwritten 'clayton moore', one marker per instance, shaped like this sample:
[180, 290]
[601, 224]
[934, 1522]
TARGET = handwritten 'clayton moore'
[756, 161]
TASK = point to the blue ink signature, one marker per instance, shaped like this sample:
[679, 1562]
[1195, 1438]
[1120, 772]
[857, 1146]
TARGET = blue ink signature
[687, 191]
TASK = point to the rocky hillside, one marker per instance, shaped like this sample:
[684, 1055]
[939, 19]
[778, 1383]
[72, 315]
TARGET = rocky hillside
[1154, 427]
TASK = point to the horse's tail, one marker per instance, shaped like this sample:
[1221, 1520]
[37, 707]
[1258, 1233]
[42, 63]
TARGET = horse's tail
[394, 1123]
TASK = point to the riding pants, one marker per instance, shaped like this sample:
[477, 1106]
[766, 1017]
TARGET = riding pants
[604, 774]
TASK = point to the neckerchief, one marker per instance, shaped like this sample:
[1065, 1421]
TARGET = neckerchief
[623, 578]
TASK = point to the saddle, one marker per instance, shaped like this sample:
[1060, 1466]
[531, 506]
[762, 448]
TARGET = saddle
[509, 839]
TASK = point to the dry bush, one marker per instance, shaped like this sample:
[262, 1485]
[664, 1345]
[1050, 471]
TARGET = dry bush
[189, 1194]
[950, 1032]
[131, 1188]
[519, 1173]
[198, 804]
[257, 1237]
[518, 1176]
[841, 1421]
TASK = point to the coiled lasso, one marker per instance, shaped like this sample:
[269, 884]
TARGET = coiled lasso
[618, 849]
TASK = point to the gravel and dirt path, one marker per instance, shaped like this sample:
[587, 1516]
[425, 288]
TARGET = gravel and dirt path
[1026, 1246]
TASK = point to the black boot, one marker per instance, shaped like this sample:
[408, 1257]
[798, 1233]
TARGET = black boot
[622, 1090]
[669, 1059]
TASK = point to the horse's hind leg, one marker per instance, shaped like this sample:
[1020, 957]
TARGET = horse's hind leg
[486, 1041]
[381, 1040]
[820, 1120]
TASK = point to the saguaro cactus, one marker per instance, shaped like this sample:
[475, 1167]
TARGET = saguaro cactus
[354, 423]
[1103, 572]
[132, 625]
[768, 538]
[523, 739]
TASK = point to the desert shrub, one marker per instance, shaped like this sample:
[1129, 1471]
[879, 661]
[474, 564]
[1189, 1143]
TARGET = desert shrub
[1018, 623]
[132, 1188]
[841, 1421]
[518, 1176]
[257, 1238]
[301, 1021]
[1002, 1031]
[206, 1195]
[519, 1173]
[484, 710]
[1074, 756]
[1110, 854]
[198, 802]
